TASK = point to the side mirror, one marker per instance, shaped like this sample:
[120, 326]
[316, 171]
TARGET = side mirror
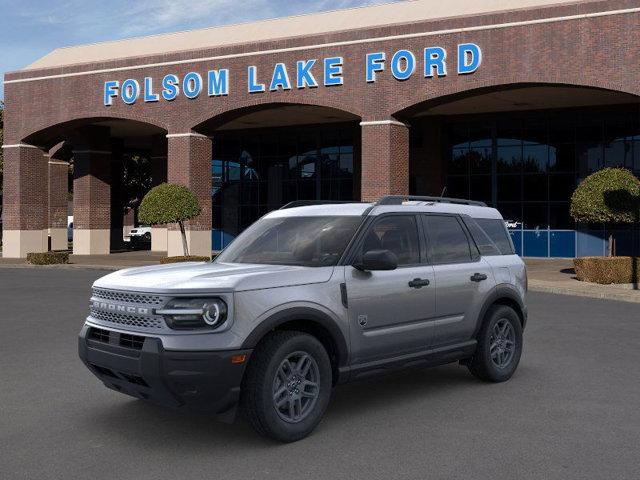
[377, 260]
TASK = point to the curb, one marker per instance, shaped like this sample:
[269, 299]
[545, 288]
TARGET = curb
[617, 296]
[67, 266]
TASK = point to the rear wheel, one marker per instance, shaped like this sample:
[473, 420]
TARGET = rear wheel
[287, 386]
[499, 345]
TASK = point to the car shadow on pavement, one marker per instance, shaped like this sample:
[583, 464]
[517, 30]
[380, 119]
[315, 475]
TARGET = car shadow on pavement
[137, 421]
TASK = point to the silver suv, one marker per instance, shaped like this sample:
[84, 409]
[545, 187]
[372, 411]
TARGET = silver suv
[308, 297]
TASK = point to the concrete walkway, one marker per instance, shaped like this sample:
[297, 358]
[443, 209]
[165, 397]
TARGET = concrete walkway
[558, 276]
[545, 275]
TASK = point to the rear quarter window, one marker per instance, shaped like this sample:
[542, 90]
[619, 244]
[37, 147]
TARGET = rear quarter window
[496, 231]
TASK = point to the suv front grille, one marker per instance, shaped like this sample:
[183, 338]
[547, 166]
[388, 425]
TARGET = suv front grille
[99, 335]
[125, 297]
[128, 320]
[131, 341]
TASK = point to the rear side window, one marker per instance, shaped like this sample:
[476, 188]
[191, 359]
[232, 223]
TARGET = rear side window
[496, 230]
[447, 241]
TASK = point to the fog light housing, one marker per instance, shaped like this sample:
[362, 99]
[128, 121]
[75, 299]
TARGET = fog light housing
[194, 313]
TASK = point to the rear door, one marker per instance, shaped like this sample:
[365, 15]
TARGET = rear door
[463, 279]
[390, 312]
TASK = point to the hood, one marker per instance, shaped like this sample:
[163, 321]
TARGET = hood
[211, 277]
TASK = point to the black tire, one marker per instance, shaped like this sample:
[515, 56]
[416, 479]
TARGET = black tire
[482, 365]
[257, 400]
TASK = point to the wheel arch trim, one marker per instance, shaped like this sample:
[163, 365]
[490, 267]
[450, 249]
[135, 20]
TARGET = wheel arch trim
[301, 314]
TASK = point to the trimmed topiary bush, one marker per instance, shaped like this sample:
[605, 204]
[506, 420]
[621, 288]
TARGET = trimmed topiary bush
[611, 195]
[48, 258]
[190, 258]
[170, 203]
[607, 270]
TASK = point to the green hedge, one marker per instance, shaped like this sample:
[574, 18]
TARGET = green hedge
[611, 195]
[190, 258]
[48, 258]
[607, 270]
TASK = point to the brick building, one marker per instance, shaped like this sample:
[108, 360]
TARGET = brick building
[507, 101]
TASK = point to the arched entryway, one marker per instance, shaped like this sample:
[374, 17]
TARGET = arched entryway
[266, 156]
[113, 162]
[523, 149]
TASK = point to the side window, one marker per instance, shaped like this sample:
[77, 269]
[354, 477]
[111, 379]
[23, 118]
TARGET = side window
[397, 233]
[484, 243]
[497, 232]
[447, 241]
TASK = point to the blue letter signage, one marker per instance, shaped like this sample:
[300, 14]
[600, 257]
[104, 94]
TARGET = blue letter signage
[403, 63]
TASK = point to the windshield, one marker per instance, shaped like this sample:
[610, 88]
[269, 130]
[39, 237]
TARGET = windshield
[306, 241]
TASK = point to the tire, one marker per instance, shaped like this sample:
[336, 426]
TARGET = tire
[501, 328]
[278, 398]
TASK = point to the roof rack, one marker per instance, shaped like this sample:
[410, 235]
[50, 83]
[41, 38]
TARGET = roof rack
[398, 199]
[307, 203]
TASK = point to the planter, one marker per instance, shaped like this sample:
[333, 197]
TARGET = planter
[607, 270]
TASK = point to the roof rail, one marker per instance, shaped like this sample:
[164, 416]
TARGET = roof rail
[307, 203]
[398, 199]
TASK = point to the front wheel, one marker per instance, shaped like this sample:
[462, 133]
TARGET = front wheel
[499, 345]
[287, 386]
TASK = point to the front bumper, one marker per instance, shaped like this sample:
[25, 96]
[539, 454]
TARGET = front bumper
[139, 366]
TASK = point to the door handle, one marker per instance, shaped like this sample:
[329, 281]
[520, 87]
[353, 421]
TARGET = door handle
[478, 277]
[418, 283]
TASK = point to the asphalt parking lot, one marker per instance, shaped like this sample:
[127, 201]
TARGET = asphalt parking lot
[571, 410]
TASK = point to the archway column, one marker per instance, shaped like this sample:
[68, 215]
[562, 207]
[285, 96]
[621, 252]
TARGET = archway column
[25, 212]
[58, 190]
[92, 192]
[189, 164]
[385, 159]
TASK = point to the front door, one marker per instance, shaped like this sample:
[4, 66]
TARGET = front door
[390, 312]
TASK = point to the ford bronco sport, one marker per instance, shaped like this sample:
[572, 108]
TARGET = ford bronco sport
[308, 297]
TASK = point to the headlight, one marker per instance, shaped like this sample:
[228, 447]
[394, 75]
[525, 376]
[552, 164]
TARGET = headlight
[192, 313]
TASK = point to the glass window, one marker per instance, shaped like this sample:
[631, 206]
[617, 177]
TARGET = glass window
[485, 245]
[535, 215]
[448, 242]
[535, 158]
[457, 186]
[509, 187]
[398, 234]
[495, 228]
[305, 241]
[510, 159]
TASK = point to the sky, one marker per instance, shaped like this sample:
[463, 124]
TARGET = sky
[29, 29]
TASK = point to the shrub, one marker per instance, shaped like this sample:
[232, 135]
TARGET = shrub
[189, 258]
[607, 270]
[48, 258]
[170, 203]
[611, 195]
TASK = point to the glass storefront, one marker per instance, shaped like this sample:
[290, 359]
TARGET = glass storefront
[259, 170]
[528, 164]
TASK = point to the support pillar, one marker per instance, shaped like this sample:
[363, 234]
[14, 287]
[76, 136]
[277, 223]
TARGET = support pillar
[159, 233]
[25, 211]
[58, 191]
[385, 159]
[189, 164]
[92, 193]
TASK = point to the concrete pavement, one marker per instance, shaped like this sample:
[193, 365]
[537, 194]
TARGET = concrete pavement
[570, 412]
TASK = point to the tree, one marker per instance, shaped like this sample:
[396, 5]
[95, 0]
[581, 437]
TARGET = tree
[611, 195]
[170, 203]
